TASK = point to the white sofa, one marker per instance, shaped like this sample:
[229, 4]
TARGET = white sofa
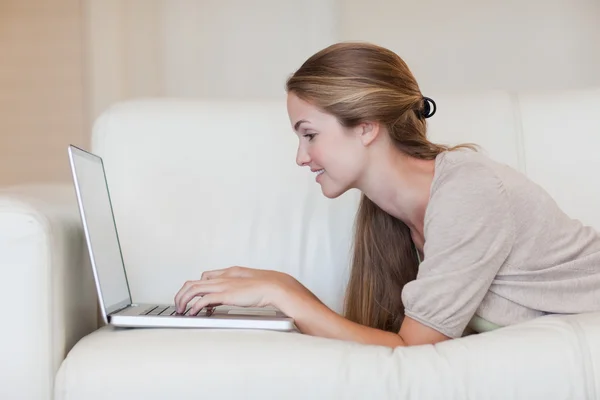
[201, 185]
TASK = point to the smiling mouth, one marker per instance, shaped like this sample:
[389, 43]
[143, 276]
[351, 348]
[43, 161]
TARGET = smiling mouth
[319, 172]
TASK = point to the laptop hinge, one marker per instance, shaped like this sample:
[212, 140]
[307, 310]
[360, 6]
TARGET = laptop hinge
[120, 309]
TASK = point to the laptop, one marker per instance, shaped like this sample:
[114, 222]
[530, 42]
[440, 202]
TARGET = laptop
[110, 274]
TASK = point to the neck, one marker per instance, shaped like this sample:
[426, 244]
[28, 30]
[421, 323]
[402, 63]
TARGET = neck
[400, 185]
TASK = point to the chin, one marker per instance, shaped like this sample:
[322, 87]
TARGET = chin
[332, 193]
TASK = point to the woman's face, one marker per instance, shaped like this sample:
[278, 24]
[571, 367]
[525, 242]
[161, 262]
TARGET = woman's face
[333, 152]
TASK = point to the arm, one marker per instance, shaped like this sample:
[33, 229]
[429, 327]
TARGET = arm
[247, 287]
[312, 317]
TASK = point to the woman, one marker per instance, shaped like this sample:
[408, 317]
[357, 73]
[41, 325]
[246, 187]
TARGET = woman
[444, 236]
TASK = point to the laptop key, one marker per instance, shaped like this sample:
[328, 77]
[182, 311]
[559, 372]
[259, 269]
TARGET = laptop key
[157, 311]
[168, 311]
[184, 314]
[150, 310]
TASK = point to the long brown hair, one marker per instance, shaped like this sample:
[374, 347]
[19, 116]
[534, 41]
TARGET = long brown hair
[357, 82]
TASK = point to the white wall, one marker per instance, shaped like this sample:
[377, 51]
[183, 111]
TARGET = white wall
[484, 44]
[209, 48]
[124, 51]
[241, 48]
[246, 49]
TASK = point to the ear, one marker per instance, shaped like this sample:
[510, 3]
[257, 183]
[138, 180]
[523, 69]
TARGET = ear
[368, 131]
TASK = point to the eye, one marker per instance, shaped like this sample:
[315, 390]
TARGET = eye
[310, 136]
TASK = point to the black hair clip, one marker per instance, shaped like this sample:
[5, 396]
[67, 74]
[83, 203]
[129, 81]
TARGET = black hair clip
[428, 110]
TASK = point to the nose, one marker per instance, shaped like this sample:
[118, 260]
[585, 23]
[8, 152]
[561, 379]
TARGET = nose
[302, 157]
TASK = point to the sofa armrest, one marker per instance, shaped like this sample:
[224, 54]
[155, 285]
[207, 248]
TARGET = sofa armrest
[46, 291]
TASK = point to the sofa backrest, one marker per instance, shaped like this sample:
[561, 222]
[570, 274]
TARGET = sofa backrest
[200, 185]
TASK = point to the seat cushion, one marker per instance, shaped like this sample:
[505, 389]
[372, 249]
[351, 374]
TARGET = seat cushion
[551, 358]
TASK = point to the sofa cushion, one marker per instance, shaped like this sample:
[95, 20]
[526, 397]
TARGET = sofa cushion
[553, 357]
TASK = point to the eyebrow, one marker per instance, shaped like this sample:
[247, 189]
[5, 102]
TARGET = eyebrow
[297, 124]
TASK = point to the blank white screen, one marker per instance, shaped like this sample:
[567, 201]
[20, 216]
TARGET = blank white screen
[101, 228]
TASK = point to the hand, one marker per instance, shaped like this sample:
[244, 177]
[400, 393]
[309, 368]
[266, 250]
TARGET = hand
[234, 286]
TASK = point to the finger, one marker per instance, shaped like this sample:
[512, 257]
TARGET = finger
[181, 291]
[210, 300]
[184, 289]
[191, 291]
[199, 288]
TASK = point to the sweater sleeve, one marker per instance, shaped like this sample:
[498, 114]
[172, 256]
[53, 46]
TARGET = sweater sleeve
[469, 233]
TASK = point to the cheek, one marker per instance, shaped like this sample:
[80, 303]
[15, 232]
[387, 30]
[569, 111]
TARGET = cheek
[351, 161]
[315, 154]
[336, 153]
[341, 163]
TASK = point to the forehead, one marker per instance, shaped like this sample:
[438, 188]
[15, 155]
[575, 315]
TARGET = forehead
[299, 109]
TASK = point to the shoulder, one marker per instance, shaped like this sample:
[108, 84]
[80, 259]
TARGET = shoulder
[464, 174]
[464, 163]
[469, 233]
[467, 191]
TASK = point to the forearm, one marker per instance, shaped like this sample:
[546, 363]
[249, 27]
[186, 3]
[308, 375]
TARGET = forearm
[312, 317]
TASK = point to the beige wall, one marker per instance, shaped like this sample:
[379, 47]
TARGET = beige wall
[42, 102]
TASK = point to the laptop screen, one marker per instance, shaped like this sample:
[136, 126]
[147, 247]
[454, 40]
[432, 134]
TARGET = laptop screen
[101, 232]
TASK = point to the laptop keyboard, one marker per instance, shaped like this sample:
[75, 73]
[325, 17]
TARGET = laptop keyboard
[165, 311]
